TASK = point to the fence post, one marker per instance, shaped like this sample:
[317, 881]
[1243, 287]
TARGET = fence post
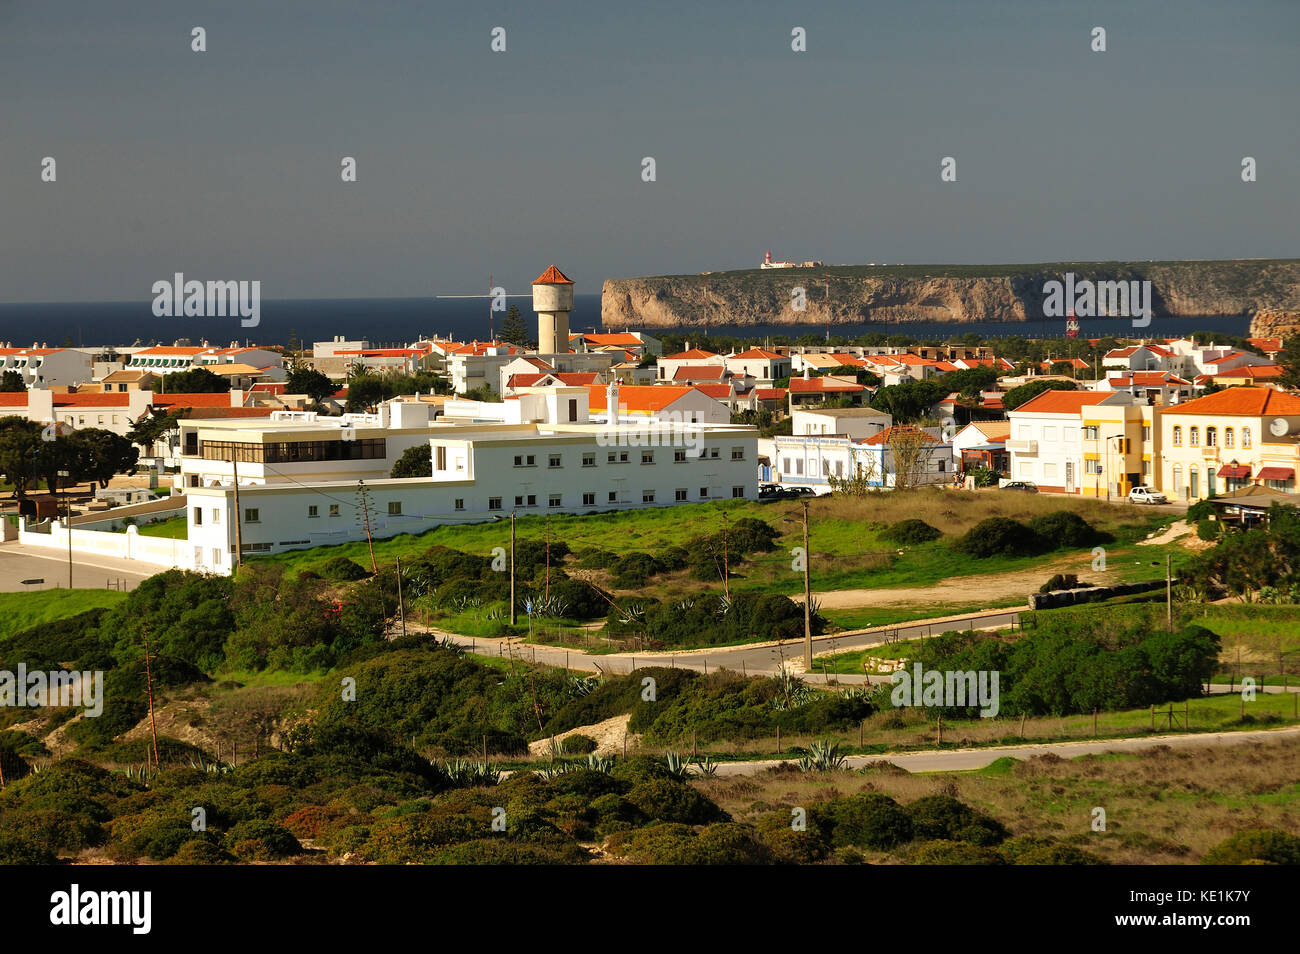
[778, 740]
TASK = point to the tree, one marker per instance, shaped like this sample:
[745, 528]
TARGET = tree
[971, 381]
[150, 429]
[20, 441]
[309, 381]
[1026, 392]
[1290, 362]
[415, 461]
[863, 479]
[911, 400]
[12, 381]
[100, 455]
[514, 330]
[908, 448]
[193, 381]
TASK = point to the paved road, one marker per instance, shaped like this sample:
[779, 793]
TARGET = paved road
[760, 659]
[960, 760]
[19, 563]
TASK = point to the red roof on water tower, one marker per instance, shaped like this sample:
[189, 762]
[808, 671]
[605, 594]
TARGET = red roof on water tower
[553, 276]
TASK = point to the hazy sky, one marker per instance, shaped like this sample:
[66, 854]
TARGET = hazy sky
[226, 164]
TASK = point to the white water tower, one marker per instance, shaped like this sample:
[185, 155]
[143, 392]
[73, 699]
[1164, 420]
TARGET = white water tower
[553, 300]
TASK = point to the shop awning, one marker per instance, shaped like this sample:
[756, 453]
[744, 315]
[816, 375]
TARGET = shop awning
[1234, 473]
[1276, 473]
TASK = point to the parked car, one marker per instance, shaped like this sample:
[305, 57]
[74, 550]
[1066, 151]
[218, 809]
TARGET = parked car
[1146, 495]
[778, 492]
[1022, 485]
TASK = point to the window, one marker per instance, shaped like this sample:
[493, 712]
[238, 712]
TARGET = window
[1092, 467]
[738, 453]
[313, 511]
[798, 467]
[440, 458]
[1146, 433]
[198, 517]
[737, 491]
[679, 457]
[1245, 437]
[494, 503]
[1146, 468]
[713, 453]
[1049, 433]
[1049, 471]
[101, 418]
[613, 496]
[1178, 436]
[394, 508]
[532, 500]
[1027, 432]
[252, 515]
[1229, 437]
[1194, 436]
[460, 503]
[680, 493]
[1194, 482]
[334, 510]
[573, 409]
[1211, 437]
[704, 493]
[647, 457]
[589, 500]
[554, 501]
[588, 460]
[1178, 478]
[647, 496]
[216, 557]
[553, 460]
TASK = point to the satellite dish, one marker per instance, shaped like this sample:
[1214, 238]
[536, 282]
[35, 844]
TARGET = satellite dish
[1279, 427]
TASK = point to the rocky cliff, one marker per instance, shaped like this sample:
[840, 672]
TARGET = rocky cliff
[956, 293]
[1275, 324]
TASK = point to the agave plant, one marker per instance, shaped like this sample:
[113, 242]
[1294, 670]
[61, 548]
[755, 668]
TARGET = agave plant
[792, 692]
[558, 768]
[632, 615]
[684, 606]
[822, 756]
[583, 685]
[678, 767]
[462, 773]
[707, 766]
[724, 606]
[216, 767]
[600, 763]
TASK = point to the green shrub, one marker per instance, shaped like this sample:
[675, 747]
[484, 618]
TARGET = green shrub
[1062, 581]
[1201, 510]
[1000, 536]
[262, 841]
[1255, 844]
[340, 569]
[673, 801]
[1208, 529]
[596, 559]
[201, 852]
[942, 817]
[577, 744]
[1064, 529]
[869, 820]
[499, 851]
[15, 850]
[1029, 850]
[911, 532]
[954, 853]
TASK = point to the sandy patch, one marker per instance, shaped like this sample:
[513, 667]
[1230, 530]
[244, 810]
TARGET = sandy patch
[608, 735]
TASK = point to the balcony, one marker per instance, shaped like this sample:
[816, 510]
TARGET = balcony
[1209, 451]
[1023, 448]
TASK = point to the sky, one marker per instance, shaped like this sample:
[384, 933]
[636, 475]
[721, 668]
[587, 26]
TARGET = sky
[226, 164]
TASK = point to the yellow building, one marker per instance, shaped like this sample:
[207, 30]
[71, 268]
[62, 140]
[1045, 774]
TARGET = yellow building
[1121, 445]
[1228, 440]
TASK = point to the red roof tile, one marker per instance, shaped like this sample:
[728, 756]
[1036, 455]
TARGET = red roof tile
[553, 276]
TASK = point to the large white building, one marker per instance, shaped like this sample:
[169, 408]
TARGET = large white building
[538, 452]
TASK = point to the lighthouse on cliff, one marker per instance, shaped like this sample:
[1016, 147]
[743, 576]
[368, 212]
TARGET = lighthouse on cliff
[553, 300]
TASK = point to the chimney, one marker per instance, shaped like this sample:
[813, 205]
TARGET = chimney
[611, 402]
[805, 371]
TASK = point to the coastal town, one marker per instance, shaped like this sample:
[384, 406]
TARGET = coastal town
[570, 426]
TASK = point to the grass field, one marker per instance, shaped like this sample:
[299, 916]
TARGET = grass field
[1166, 806]
[175, 528]
[847, 552]
[19, 611]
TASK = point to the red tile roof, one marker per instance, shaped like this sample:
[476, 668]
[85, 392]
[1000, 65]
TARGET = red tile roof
[1266, 344]
[695, 354]
[552, 276]
[115, 399]
[618, 340]
[1254, 371]
[718, 392]
[640, 397]
[1243, 401]
[1061, 402]
[771, 394]
[700, 372]
[811, 385]
[216, 399]
[883, 436]
[758, 354]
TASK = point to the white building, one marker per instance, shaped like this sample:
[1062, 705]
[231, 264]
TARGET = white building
[48, 367]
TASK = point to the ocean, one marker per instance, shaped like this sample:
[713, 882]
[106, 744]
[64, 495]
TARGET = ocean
[391, 322]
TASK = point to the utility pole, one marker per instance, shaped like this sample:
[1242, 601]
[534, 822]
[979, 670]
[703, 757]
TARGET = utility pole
[548, 559]
[67, 511]
[1169, 593]
[401, 607]
[807, 597]
[514, 616]
[726, 563]
[239, 539]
